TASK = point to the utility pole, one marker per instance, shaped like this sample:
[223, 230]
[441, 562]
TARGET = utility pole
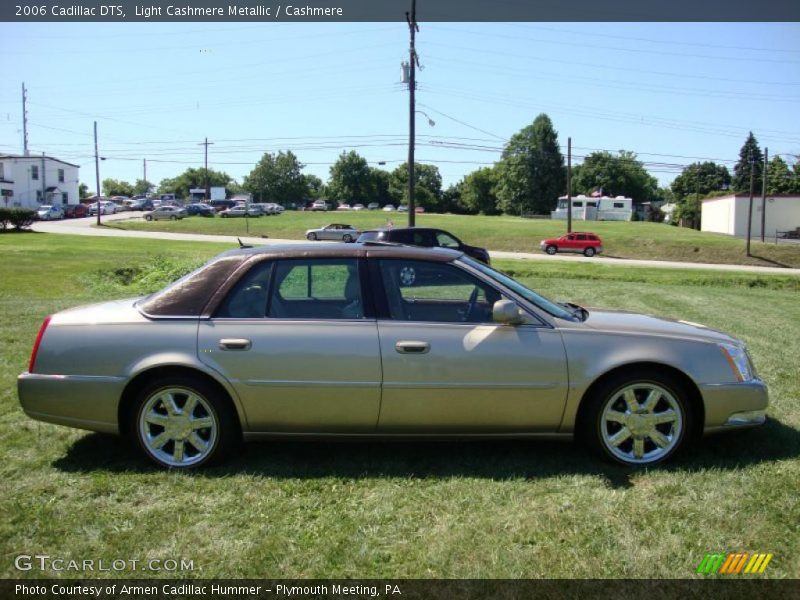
[750, 206]
[206, 144]
[97, 173]
[412, 88]
[24, 120]
[764, 195]
[144, 168]
[569, 185]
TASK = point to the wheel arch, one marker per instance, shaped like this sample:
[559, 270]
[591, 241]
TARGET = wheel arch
[127, 403]
[695, 396]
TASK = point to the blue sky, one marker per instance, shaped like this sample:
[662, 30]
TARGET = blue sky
[671, 92]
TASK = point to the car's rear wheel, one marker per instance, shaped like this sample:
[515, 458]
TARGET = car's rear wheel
[347, 238]
[148, 217]
[173, 218]
[551, 249]
[182, 423]
[590, 251]
[638, 420]
[312, 236]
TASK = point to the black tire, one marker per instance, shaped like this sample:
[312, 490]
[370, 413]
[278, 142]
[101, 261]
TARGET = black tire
[589, 252]
[312, 236]
[223, 434]
[148, 217]
[173, 218]
[551, 249]
[347, 238]
[597, 428]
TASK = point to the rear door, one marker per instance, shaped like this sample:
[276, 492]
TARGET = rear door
[298, 341]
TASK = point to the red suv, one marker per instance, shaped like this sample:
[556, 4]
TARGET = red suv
[577, 241]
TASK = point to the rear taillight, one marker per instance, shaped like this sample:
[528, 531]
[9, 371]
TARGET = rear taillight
[38, 341]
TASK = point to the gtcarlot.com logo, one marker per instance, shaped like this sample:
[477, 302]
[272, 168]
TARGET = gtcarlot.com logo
[734, 563]
[44, 562]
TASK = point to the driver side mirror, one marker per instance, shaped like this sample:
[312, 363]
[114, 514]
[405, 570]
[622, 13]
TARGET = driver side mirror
[507, 312]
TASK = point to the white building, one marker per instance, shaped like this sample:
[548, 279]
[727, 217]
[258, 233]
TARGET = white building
[30, 181]
[588, 208]
[728, 214]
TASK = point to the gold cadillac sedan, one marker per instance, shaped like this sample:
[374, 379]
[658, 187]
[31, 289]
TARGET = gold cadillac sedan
[358, 340]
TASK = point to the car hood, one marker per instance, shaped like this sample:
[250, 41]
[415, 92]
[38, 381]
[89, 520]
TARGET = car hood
[634, 323]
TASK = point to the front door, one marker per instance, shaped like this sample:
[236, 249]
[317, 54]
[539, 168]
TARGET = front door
[448, 368]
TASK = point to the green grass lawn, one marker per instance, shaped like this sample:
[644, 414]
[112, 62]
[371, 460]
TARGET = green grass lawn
[623, 240]
[495, 510]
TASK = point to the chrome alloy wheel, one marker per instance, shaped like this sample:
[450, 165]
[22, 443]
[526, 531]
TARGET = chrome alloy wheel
[641, 423]
[178, 427]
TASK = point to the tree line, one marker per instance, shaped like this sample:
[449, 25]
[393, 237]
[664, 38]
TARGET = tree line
[529, 177]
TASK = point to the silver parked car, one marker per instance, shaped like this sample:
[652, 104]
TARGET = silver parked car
[335, 231]
[171, 213]
[392, 341]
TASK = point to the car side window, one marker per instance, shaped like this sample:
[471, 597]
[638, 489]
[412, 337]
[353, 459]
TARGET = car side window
[316, 289]
[436, 292]
[581, 237]
[248, 298]
[447, 241]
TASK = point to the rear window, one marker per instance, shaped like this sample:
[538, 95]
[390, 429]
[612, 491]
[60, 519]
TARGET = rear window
[370, 236]
[189, 295]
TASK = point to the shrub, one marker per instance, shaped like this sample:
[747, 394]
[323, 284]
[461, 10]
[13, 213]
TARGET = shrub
[18, 217]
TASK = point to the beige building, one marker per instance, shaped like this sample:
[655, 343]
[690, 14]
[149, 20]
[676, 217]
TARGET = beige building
[728, 214]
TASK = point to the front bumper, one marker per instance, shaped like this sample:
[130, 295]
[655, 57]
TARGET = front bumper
[734, 405]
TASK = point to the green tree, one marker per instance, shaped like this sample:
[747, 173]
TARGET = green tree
[452, 201]
[142, 186]
[83, 191]
[381, 185]
[278, 178]
[779, 178]
[749, 153]
[478, 192]
[316, 188]
[615, 175]
[114, 187]
[701, 178]
[193, 178]
[427, 188]
[531, 174]
[350, 179]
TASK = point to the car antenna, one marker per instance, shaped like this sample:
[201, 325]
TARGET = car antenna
[242, 244]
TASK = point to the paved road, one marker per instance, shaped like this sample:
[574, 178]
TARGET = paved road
[85, 227]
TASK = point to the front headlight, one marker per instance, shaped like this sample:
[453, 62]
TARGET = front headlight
[738, 360]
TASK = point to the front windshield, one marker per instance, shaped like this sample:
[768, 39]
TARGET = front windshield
[515, 286]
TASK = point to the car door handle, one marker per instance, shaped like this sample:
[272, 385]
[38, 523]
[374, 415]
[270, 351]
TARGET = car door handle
[235, 344]
[412, 347]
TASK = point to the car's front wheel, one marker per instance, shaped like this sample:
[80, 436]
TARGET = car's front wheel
[173, 218]
[182, 423]
[551, 249]
[638, 420]
[148, 217]
[589, 252]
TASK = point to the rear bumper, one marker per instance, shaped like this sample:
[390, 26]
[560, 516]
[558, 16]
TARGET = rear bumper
[735, 405]
[85, 402]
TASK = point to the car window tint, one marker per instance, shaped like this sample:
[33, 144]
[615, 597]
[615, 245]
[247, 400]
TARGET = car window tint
[446, 240]
[440, 292]
[581, 237]
[316, 289]
[248, 298]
